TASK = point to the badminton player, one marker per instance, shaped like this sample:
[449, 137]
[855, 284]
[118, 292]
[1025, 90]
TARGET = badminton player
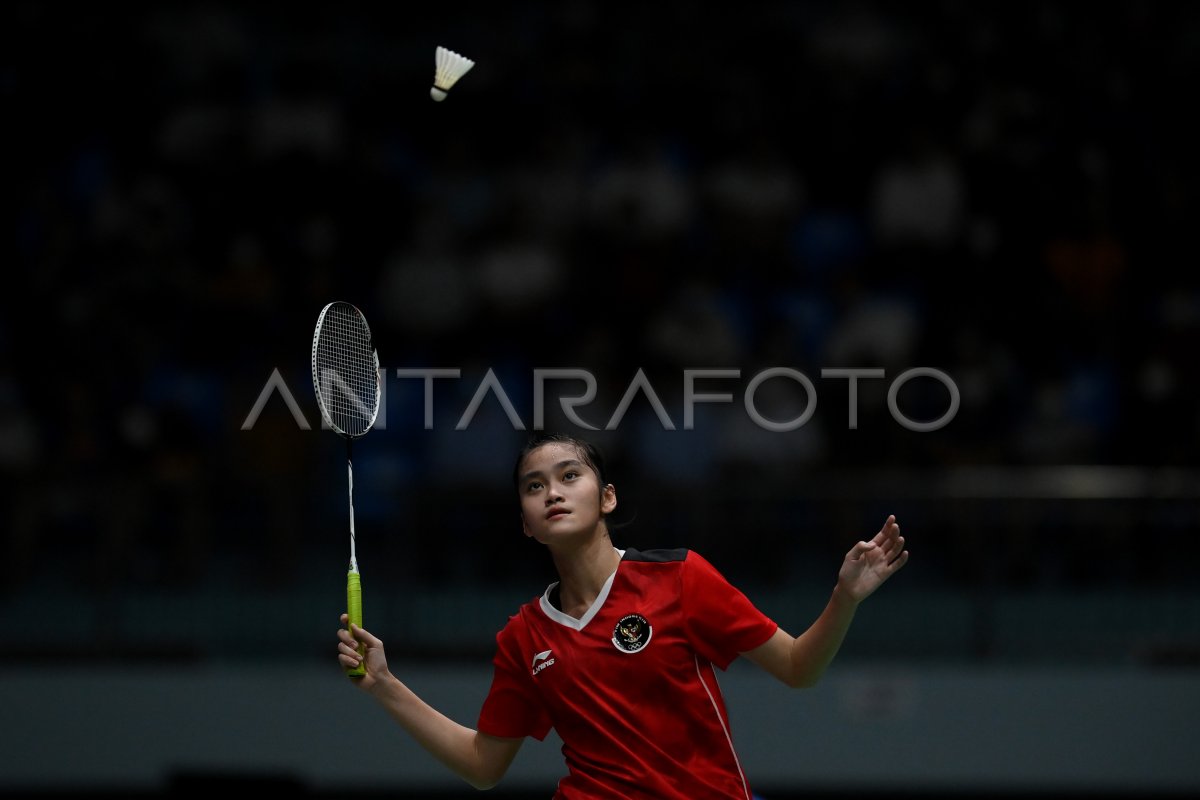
[619, 655]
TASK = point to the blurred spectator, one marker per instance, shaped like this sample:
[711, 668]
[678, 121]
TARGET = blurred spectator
[918, 199]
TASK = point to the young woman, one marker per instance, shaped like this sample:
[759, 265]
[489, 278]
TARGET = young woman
[618, 655]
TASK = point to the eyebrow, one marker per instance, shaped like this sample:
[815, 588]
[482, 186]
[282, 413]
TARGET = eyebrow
[570, 462]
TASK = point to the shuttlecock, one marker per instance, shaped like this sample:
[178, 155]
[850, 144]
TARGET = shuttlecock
[450, 67]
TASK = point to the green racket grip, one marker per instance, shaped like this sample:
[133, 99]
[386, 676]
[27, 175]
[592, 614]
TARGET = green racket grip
[354, 611]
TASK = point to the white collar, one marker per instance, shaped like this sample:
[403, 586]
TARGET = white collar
[566, 619]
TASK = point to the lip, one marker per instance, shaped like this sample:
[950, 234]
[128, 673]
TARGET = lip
[557, 511]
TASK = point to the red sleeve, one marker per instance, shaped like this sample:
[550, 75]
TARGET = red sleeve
[721, 622]
[512, 709]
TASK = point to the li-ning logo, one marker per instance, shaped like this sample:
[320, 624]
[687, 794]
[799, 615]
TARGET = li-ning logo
[632, 633]
[544, 657]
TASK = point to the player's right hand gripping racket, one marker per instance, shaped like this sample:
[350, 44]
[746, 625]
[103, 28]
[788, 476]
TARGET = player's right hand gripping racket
[346, 379]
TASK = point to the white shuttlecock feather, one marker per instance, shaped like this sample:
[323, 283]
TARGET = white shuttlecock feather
[450, 67]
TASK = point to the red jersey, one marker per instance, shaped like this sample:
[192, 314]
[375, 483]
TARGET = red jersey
[630, 687]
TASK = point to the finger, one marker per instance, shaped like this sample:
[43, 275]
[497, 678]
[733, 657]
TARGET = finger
[900, 561]
[348, 650]
[349, 661]
[887, 536]
[364, 636]
[344, 618]
[344, 635]
[892, 546]
[859, 549]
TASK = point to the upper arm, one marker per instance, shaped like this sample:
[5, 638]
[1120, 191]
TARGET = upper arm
[775, 656]
[496, 754]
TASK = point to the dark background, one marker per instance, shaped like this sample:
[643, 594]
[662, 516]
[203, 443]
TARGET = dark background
[1001, 191]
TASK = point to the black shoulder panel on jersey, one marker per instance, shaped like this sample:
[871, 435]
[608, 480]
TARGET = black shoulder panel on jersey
[661, 556]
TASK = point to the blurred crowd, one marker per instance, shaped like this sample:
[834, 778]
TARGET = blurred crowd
[1002, 192]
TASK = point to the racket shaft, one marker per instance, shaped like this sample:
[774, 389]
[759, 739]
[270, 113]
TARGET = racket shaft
[354, 611]
[350, 476]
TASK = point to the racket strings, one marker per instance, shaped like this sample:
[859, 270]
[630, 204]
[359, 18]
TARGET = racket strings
[346, 370]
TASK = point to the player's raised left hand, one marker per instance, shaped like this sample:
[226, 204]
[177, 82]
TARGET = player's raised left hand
[869, 564]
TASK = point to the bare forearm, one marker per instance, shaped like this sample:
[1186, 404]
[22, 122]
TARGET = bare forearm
[453, 744]
[814, 649]
[803, 660]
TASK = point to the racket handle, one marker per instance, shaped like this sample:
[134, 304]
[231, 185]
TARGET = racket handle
[354, 611]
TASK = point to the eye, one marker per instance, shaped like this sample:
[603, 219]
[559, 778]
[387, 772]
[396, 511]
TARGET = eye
[533, 486]
[570, 475]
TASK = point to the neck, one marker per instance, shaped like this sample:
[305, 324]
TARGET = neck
[583, 570]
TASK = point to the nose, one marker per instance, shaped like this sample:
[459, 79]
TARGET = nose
[553, 495]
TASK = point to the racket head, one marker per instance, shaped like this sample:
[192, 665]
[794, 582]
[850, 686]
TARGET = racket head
[345, 370]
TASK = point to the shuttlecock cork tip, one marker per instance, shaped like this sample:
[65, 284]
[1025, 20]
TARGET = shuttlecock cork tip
[449, 67]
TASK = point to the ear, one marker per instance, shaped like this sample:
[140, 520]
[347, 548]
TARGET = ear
[525, 526]
[608, 499]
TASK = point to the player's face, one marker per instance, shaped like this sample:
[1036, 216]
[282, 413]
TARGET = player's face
[561, 495]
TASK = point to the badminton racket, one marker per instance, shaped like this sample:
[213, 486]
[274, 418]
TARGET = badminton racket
[346, 379]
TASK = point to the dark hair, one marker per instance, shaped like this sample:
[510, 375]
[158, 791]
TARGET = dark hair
[588, 453]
